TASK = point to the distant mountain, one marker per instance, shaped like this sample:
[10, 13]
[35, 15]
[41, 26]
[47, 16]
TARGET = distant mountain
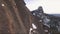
[57, 15]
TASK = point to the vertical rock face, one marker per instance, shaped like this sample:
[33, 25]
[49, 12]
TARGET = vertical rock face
[14, 17]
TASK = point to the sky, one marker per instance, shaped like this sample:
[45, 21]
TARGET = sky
[49, 6]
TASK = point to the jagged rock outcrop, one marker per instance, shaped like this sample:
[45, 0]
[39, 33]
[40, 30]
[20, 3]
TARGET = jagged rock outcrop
[47, 20]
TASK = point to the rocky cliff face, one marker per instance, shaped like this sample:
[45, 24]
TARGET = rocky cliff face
[14, 17]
